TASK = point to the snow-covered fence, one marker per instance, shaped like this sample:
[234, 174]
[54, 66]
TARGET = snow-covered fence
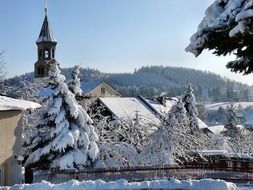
[147, 173]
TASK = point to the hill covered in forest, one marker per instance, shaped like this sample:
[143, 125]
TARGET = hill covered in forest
[151, 81]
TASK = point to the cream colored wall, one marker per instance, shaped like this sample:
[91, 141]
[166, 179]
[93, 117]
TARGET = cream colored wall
[10, 144]
[108, 91]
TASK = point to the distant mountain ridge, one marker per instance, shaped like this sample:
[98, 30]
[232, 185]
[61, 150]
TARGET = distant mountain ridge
[153, 80]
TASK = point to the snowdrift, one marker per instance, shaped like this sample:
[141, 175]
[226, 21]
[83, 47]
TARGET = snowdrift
[204, 184]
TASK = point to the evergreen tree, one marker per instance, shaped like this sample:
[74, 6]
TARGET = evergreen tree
[227, 28]
[191, 109]
[232, 131]
[65, 137]
[74, 83]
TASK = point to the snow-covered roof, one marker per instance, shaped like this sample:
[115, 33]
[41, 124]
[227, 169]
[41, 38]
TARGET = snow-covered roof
[147, 109]
[89, 85]
[160, 108]
[46, 33]
[123, 107]
[202, 124]
[164, 109]
[214, 152]
[7, 103]
[217, 129]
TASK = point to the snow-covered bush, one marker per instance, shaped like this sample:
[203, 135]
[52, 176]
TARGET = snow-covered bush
[121, 140]
[124, 130]
[65, 137]
[172, 142]
[119, 154]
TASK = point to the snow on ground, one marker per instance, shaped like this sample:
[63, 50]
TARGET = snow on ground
[244, 187]
[204, 184]
[215, 106]
[7, 103]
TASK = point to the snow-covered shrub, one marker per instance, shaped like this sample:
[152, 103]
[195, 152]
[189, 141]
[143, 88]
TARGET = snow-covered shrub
[119, 154]
[124, 130]
[65, 136]
[172, 142]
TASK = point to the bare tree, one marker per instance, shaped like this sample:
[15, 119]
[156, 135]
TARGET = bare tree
[2, 67]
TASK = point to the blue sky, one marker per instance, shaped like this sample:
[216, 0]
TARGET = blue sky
[109, 35]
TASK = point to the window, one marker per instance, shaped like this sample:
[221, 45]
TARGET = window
[102, 90]
[46, 54]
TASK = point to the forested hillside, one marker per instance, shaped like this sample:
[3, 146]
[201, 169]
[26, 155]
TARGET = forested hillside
[154, 80]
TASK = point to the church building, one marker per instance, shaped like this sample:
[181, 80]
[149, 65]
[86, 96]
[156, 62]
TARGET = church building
[46, 44]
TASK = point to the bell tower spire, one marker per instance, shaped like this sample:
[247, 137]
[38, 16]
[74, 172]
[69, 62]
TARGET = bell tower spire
[46, 44]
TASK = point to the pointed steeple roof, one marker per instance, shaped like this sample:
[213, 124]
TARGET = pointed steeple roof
[46, 33]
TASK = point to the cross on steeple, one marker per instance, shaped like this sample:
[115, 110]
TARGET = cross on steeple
[46, 8]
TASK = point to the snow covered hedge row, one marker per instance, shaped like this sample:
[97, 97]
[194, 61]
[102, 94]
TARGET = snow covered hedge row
[207, 184]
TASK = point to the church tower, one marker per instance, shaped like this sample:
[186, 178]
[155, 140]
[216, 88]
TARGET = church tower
[46, 44]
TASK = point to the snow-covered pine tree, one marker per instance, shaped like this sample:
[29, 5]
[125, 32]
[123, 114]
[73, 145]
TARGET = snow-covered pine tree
[227, 28]
[191, 108]
[65, 137]
[74, 83]
[171, 141]
[232, 130]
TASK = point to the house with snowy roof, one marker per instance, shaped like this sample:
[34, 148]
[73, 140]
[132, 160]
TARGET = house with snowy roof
[145, 109]
[94, 89]
[10, 138]
[129, 108]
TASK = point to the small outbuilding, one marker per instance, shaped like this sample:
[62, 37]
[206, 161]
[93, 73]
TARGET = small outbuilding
[11, 111]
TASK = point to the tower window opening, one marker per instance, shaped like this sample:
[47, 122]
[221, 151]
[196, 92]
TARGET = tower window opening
[38, 71]
[42, 70]
[46, 54]
[40, 53]
[52, 53]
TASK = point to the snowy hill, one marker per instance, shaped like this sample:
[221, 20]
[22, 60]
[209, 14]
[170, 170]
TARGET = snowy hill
[154, 80]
